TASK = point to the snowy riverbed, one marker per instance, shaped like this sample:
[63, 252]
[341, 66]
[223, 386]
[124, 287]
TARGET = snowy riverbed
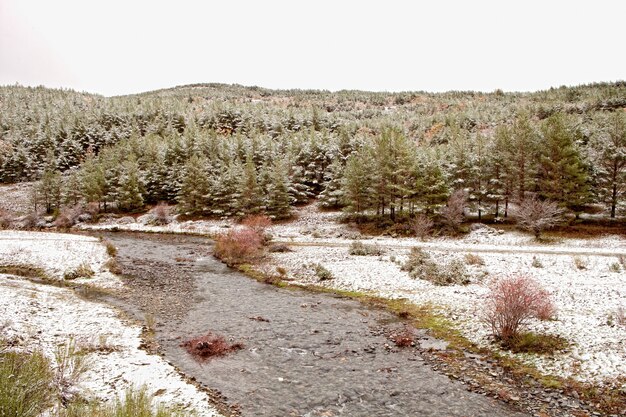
[38, 316]
[588, 299]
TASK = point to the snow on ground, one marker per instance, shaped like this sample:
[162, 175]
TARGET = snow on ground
[44, 317]
[588, 299]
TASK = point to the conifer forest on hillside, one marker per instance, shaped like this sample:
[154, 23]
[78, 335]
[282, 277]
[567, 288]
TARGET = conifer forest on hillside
[227, 150]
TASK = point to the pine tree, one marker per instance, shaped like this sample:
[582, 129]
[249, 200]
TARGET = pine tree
[72, 193]
[130, 187]
[563, 177]
[609, 154]
[194, 186]
[332, 196]
[250, 200]
[49, 187]
[523, 152]
[357, 182]
[431, 190]
[278, 202]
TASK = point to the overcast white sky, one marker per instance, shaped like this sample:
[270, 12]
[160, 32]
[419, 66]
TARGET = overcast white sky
[116, 47]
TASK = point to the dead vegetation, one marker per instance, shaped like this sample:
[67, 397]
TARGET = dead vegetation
[208, 346]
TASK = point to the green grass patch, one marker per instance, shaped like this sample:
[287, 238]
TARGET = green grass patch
[530, 342]
[26, 384]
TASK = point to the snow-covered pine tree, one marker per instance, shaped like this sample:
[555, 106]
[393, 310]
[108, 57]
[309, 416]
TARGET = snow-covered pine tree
[194, 186]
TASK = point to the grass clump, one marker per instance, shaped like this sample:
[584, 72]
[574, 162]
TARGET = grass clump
[111, 249]
[473, 259]
[421, 266]
[529, 342]
[359, 248]
[26, 271]
[322, 273]
[136, 403]
[81, 271]
[26, 384]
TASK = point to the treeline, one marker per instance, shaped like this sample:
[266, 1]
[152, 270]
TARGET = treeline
[230, 150]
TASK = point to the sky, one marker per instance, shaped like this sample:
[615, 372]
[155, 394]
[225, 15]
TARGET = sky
[115, 47]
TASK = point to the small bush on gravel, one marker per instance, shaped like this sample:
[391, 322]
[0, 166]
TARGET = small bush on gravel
[473, 259]
[203, 348]
[419, 265]
[322, 273]
[512, 302]
[111, 249]
[536, 263]
[279, 248]
[580, 263]
[238, 246]
[359, 248]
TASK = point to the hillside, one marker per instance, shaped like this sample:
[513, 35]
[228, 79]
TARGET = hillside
[291, 145]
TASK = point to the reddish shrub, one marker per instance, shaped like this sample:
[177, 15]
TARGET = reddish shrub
[238, 246]
[512, 302]
[257, 223]
[205, 347]
[404, 339]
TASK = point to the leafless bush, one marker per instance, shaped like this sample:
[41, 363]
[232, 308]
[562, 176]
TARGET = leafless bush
[258, 223]
[68, 216]
[534, 215]
[421, 266]
[422, 225]
[161, 214]
[452, 214]
[358, 248]
[5, 219]
[238, 246]
[512, 302]
[473, 259]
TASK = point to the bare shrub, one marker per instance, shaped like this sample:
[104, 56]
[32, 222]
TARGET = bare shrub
[580, 263]
[473, 259]
[359, 248]
[203, 348]
[535, 216]
[512, 302]
[6, 220]
[161, 214]
[452, 214]
[420, 265]
[259, 223]
[238, 246]
[68, 216]
[322, 273]
[422, 226]
[279, 248]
